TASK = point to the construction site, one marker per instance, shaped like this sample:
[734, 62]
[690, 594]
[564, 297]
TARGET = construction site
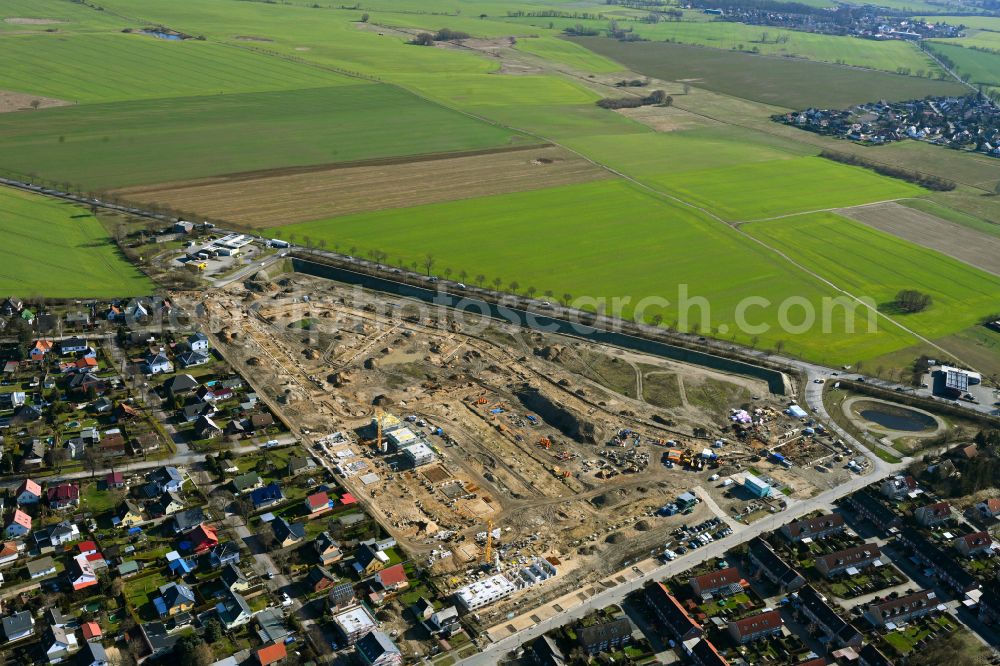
[486, 448]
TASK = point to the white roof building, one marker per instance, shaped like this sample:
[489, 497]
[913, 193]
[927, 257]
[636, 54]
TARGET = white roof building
[419, 454]
[484, 592]
[401, 437]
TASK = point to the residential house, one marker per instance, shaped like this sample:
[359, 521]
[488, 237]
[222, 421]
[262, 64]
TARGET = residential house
[128, 568]
[203, 538]
[57, 535]
[246, 482]
[287, 534]
[12, 306]
[39, 350]
[872, 656]
[19, 525]
[870, 508]
[756, 627]
[192, 359]
[704, 653]
[442, 621]
[17, 626]
[60, 643]
[180, 385]
[115, 481]
[174, 598]
[81, 573]
[354, 623]
[604, 636]
[73, 345]
[198, 342]
[849, 560]
[544, 652]
[933, 514]
[271, 654]
[168, 504]
[671, 614]
[897, 487]
[260, 422]
[86, 384]
[942, 563]
[214, 393]
[79, 319]
[94, 654]
[377, 649]
[271, 625]
[723, 582]
[234, 579]
[187, 520]
[989, 509]
[832, 629]
[206, 428]
[341, 596]
[40, 568]
[29, 492]
[156, 363]
[63, 496]
[392, 579]
[267, 496]
[368, 560]
[233, 609]
[817, 527]
[298, 466]
[126, 412]
[318, 503]
[975, 543]
[196, 411]
[128, 515]
[901, 609]
[8, 552]
[112, 444]
[768, 564]
[167, 479]
[227, 552]
[91, 631]
[157, 640]
[320, 579]
[180, 565]
[327, 549]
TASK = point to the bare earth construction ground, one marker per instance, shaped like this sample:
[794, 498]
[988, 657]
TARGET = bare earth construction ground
[17, 101]
[952, 239]
[271, 198]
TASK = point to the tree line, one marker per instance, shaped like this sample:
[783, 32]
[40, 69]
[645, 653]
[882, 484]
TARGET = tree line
[655, 98]
[935, 183]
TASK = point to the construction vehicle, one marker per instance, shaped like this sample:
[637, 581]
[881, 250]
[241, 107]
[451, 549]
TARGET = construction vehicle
[545, 443]
[481, 400]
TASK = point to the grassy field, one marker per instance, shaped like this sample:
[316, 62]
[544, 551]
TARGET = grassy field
[977, 66]
[932, 208]
[874, 264]
[630, 244]
[754, 191]
[784, 82]
[61, 251]
[164, 140]
[111, 67]
[565, 52]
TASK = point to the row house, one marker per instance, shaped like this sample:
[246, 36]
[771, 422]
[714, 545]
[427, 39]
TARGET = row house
[724, 582]
[837, 632]
[871, 509]
[933, 514]
[901, 609]
[670, 613]
[818, 527]
[941, 563]
[769, 565]
[857, 557]
[756, 627]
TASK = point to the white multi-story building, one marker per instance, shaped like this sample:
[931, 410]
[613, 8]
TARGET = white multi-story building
[484, 592]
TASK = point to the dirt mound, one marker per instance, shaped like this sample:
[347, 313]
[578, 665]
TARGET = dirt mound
[604, 500]
[557, 416]
[551, 352]
[382, 401]
[614, 538]
[643, 526]
[310, 354]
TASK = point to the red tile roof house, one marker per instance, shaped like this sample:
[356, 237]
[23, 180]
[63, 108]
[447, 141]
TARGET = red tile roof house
[203, 538]
[271, 654]
[63, 496]
[970, 544]
[91, 631]
[393, 579]
[318, 503]
[990, 508]
[87, 547]
[19, 524]
[717, 582]
[115, 480]
[902, 609]
[755, 627]
[28, 492]
[933, 514]
[858, 557]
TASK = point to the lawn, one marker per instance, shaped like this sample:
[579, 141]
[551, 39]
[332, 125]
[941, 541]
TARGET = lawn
[876, 265]
[141, 590]
[100, 146]
[60, 250]
[767, 189]
[785, 82]
[98, 501]
[109, 67]
[630, 244]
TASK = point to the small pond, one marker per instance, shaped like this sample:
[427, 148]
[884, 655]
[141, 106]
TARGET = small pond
[162, 35]
[897, 418]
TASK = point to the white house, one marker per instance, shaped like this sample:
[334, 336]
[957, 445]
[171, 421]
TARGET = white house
[198, 342]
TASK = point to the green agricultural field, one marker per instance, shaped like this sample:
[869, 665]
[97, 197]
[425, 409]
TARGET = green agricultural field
[870, 263]
[629, 243]
[58, 15]
[768, 189]
[977, 66]
[112, 67]
[60, 250]
[564, 52]
[154, 141]
[958, 217]
[784, 82]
